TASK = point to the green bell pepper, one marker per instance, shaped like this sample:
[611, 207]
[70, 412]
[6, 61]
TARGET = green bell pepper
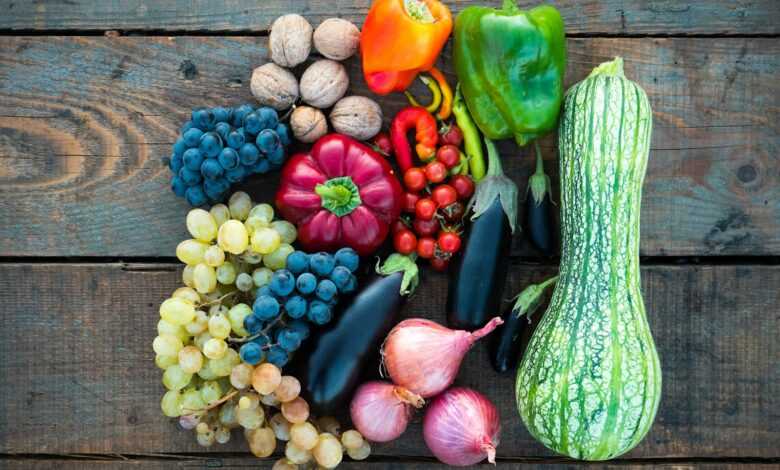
[510, 64]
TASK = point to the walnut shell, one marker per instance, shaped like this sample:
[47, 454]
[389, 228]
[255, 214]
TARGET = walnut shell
[308, 124]
[274, 86]
[357, 116]
[337, 39]
[289, 42]
[324, 83]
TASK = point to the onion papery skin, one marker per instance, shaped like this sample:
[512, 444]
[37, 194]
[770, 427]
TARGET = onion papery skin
[424, 356]
[381, 411]
[461, 427]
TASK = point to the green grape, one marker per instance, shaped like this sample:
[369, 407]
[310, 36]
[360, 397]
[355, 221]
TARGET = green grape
[191, 252]
[352, 439]
[296, 411]
[190, 359]
[222, 435]
[254, 223]
[288, 390]
[236, 316]
[186, 276]
[214, 256]
[171, 403]
[164, 362]
[262, 442]
[265, 240]
[233, 237]
[206, 372]
[244, 282]
[263, 212]
[207, 439]
[224, 365]
[167, 345]
[192, 401]
[215, 348]
[250, 418]
[361, 453]
[261, 276]
[241, 376]
[177, 311]
[199, 324]
[239, 204]
[226, 274]
[210, 392]
[187, 293]
[281, 426]
[201, 225]
[205, 278]
[286, 230]
[248, 400]
[220, 213]
[304, 435]
[227, 415]
[250, 257]
[328, 452]
[297, 455]
[284, 464]
[270, 400]
[166, 328]
[265, 378]
[219, 326]
[278, 259]
[174, 378]
[201, 339]
[218, 309]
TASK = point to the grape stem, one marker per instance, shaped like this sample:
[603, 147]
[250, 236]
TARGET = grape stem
[222, 400]
[217, 301]
[263, 332]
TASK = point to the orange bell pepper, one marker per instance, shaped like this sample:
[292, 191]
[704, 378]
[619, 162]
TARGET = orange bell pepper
[401, 38]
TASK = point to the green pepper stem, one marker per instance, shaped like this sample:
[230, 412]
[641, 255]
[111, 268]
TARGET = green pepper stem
[510, 6]
[494, 160]
[539, 162]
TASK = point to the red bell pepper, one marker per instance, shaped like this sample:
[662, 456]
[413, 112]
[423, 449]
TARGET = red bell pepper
[426, 135]
[341, 193]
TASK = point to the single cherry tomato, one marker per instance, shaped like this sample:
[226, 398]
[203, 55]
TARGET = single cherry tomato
[444, 195]
[398, 225]
[425, 209]
[439, 264]
[449, 155]
[426, 228]
[405, 242]
[415, 179]
[426, 247]
[449, 242]
[451, 135]
[435, 172]
[382, 143]
[463, 185]
[454, 212]
[408, 201]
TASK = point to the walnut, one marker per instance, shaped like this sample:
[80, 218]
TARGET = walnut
[274, 86]
[337, 39]
[308, 124]
[357, 116]
[324, 83]
[290, 40]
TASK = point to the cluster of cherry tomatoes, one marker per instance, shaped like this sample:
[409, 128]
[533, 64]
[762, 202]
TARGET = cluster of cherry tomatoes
[434, 203]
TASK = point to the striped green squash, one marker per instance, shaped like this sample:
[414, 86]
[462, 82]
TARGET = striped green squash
[590, 381]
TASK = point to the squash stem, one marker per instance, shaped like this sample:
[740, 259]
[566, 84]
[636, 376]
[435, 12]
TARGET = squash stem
[494, 160]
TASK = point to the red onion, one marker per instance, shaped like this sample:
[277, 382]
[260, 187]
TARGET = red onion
[424, 357]
[461, 427]
[381, 410]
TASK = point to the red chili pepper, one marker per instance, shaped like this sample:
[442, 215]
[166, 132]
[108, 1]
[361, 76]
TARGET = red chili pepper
[341, 193]
[426, 135]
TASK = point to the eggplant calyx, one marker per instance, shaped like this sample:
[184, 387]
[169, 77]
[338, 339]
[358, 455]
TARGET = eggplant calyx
[529, 300]
[539, 182]
[495, 185]
[399, 263]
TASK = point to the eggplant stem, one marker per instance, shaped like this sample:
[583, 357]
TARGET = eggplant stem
[494, 160]
[539, 161]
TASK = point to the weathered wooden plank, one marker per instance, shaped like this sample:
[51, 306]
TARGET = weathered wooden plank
[78, 372]
[612, 17]
[85, 124]
[205, 461]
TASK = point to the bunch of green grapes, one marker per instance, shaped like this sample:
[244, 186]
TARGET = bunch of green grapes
[237, 246]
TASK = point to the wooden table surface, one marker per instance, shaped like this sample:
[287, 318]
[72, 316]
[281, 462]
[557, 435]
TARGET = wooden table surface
[92, 94]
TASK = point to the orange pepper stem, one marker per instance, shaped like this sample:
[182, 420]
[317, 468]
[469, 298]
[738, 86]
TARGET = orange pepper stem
[446, 93]
[435, 95]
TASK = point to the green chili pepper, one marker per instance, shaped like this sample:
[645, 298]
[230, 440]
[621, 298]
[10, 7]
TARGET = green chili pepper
[471, 138]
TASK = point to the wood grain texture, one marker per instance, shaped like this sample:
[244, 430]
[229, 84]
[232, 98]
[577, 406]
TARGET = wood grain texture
[85, 124]
[612, 17]
[79, 378]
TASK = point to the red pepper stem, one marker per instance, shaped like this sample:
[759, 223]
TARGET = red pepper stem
[339, 195]
[494, 160]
